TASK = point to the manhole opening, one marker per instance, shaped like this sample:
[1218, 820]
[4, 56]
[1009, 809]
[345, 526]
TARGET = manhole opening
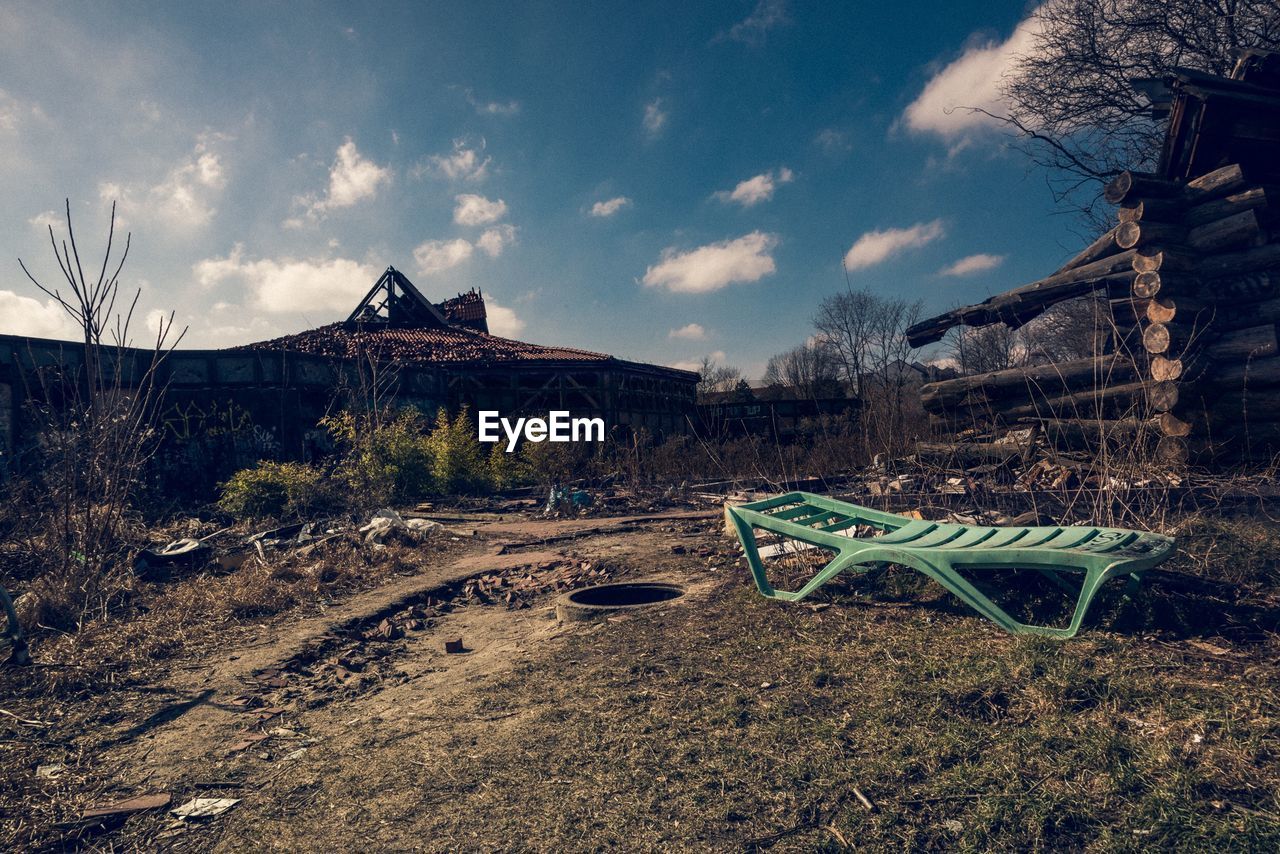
[622, 595]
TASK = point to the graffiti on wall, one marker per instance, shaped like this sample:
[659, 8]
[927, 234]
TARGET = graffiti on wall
[204, 441]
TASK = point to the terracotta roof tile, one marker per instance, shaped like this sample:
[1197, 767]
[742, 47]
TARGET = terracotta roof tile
[468, 306]
[420, 345]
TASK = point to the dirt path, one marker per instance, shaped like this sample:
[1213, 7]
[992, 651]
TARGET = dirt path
[369, 679]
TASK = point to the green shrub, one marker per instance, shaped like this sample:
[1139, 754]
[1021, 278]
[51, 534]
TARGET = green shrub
[383, 461]
[273, 489]
[459, 459]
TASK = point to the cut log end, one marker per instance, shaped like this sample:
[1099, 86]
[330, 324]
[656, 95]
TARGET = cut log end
[1146, 285]
[1172, 425]
[1156, 338]
[1164, 369]
[1163, 396]
[1118, 188]
[1172, 451]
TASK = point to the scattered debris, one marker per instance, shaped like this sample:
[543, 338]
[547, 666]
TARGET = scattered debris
[454, 646]
[246, 742]
[864, 800]
[563, 502]
[50, 772]
[197, 808]
[158, 564]
[386, 521]
[128, 806]
[386, 630]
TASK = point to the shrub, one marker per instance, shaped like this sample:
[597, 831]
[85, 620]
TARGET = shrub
[273, 489]
[459, 460]
[384, 461]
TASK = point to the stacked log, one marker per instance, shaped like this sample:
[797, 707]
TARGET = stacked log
[1190, 276]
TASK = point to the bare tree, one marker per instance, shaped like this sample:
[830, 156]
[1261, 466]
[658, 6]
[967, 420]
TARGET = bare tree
[714, 378]
[99, 435]
[1070, 94]
[846, 321]
[811, 370]
[1075, 329]
[988, 348]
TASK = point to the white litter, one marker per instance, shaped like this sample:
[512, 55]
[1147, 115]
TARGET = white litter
[204, 807]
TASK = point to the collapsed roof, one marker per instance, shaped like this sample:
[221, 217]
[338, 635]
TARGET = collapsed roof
[395, 322]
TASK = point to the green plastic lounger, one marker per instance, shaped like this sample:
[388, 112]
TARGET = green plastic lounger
[940, 550]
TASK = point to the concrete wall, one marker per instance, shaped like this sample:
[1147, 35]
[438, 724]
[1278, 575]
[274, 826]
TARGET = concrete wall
[223, 410]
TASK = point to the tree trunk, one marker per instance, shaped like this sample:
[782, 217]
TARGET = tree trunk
[1087, 372]
[1220, 182]
[1132, 186]
[1152, 210]
[1084, 404]
[1254, 372]
[1236, 231]
[1246, 200]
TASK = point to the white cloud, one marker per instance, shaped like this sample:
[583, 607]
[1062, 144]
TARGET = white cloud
[758, 189]
[717, 356]
[690, 332]
[971, 264]
[477, 210]
[947, 104]
[435, 256]
[14, 113]
[45, 219]
[878, 246]
[353, 178]
[752, 29]
[495, 239]
[184, 199]
[290, 284]
[655, 117]
[610, 207]
[498, 108]
[465, 163]
[493, 108]
[502, 321]
[833, 141]
[21, 315]
[714, 266]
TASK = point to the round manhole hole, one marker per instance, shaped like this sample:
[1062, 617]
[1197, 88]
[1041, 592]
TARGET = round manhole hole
[602, 600]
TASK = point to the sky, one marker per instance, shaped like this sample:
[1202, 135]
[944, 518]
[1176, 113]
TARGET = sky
[658, 181]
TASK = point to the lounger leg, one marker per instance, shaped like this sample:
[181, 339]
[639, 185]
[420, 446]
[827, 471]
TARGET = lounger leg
[1092, 582]
[748, 539]
[1131, 589]
[970, 595]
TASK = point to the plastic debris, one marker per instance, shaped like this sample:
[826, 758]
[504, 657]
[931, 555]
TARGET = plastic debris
[204, 807]
[387, 520]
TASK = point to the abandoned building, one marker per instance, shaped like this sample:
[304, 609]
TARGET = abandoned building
[228, 408]
[1186, 286]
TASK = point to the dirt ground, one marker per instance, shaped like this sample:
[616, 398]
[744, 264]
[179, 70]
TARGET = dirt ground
[882, 718]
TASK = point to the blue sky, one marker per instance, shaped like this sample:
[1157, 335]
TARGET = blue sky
[658, 181]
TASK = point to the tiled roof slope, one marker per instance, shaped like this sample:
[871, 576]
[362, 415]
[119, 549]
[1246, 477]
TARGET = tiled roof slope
[468, 306]
[340, 340]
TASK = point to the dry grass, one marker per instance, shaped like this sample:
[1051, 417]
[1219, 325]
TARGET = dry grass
[86, 683]
[734, 722]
